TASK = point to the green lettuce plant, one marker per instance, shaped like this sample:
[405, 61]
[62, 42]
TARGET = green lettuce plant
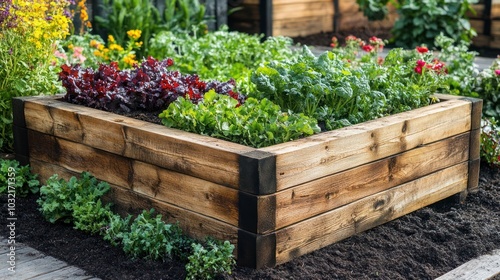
[16, 179]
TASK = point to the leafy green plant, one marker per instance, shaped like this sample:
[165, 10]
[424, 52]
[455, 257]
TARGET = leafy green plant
[220, 55]
[17, 179]
[374, 9]
[74, 200]
[490, 141]
[122, 16]
[116, 229]
[420, 21]
[256, 123]
[210, 260]
[340, 91]
[150, 237]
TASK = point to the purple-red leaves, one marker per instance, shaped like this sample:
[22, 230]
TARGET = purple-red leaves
[149, 87]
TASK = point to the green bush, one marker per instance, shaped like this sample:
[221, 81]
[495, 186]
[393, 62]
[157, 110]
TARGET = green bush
[209, 260]
[17, 179]
[421, 21]
[76, 200]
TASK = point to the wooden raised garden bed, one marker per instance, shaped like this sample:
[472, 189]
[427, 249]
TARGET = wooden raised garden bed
[273, 203]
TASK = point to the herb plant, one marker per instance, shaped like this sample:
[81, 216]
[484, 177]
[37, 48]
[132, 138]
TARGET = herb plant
[210, 259]
[150, 237]
[488, 89]
[62, 200]
[148, 87]
[256, 123]
[16, 179]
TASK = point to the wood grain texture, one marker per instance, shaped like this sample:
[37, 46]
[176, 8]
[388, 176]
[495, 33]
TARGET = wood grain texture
[126, 201]
[334, 151]
[185, 191]
[330, 227]
[215, 160]
[310, 199]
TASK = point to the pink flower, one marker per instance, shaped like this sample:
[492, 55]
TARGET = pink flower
[78, 54]
[422, 49]
[60, 55]
[497, 72]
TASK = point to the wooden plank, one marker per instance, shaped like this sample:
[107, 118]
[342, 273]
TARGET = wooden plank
[293, 27]
[69, 272]
[334, 151]
[484, 267]
[187, 192]
[495, 27]
[196, 155]
[78, 158]
[301, 10]
[335, 225]
[170, 148]
[327, 193]
[126, 201]
[37, 267]
[288, 11]
[477, 25]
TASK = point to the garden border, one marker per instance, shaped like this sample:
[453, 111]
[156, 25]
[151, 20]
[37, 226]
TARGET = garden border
[273, 203]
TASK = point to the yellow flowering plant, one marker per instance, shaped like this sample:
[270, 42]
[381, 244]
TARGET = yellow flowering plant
[90, 50]
[29, 30]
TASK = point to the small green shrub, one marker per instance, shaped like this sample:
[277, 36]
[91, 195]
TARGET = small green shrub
[17, 179]
[421, 21]
[74, 200]
[150, 237]
[209, 260]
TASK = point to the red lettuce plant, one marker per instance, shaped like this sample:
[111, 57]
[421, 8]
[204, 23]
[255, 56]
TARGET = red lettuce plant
[148, 87]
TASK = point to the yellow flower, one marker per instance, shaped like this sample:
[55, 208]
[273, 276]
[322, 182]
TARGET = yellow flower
[94, 44]
[138, 44]
[115, 47]
[130, 59]
[134, 34]
[70, 46]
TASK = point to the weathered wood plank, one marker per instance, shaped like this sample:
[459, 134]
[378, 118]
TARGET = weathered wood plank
[78, 158]
[316, 197]
[170, 148]
[484, 267]
[334, 151]
[195, 194]
[185, 191]
[69, 272]
[303, 26]
[368, 212]
[38, 266]
[126, 201]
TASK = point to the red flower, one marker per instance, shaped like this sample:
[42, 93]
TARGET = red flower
[351, 38]
[497, 72]
[368, 48]
[420, 66]
[335, 42]
[422, 49]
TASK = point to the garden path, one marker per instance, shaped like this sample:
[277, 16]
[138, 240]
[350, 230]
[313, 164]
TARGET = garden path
[32, 264]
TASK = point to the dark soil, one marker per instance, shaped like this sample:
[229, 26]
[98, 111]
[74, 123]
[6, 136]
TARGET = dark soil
[421, 245]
